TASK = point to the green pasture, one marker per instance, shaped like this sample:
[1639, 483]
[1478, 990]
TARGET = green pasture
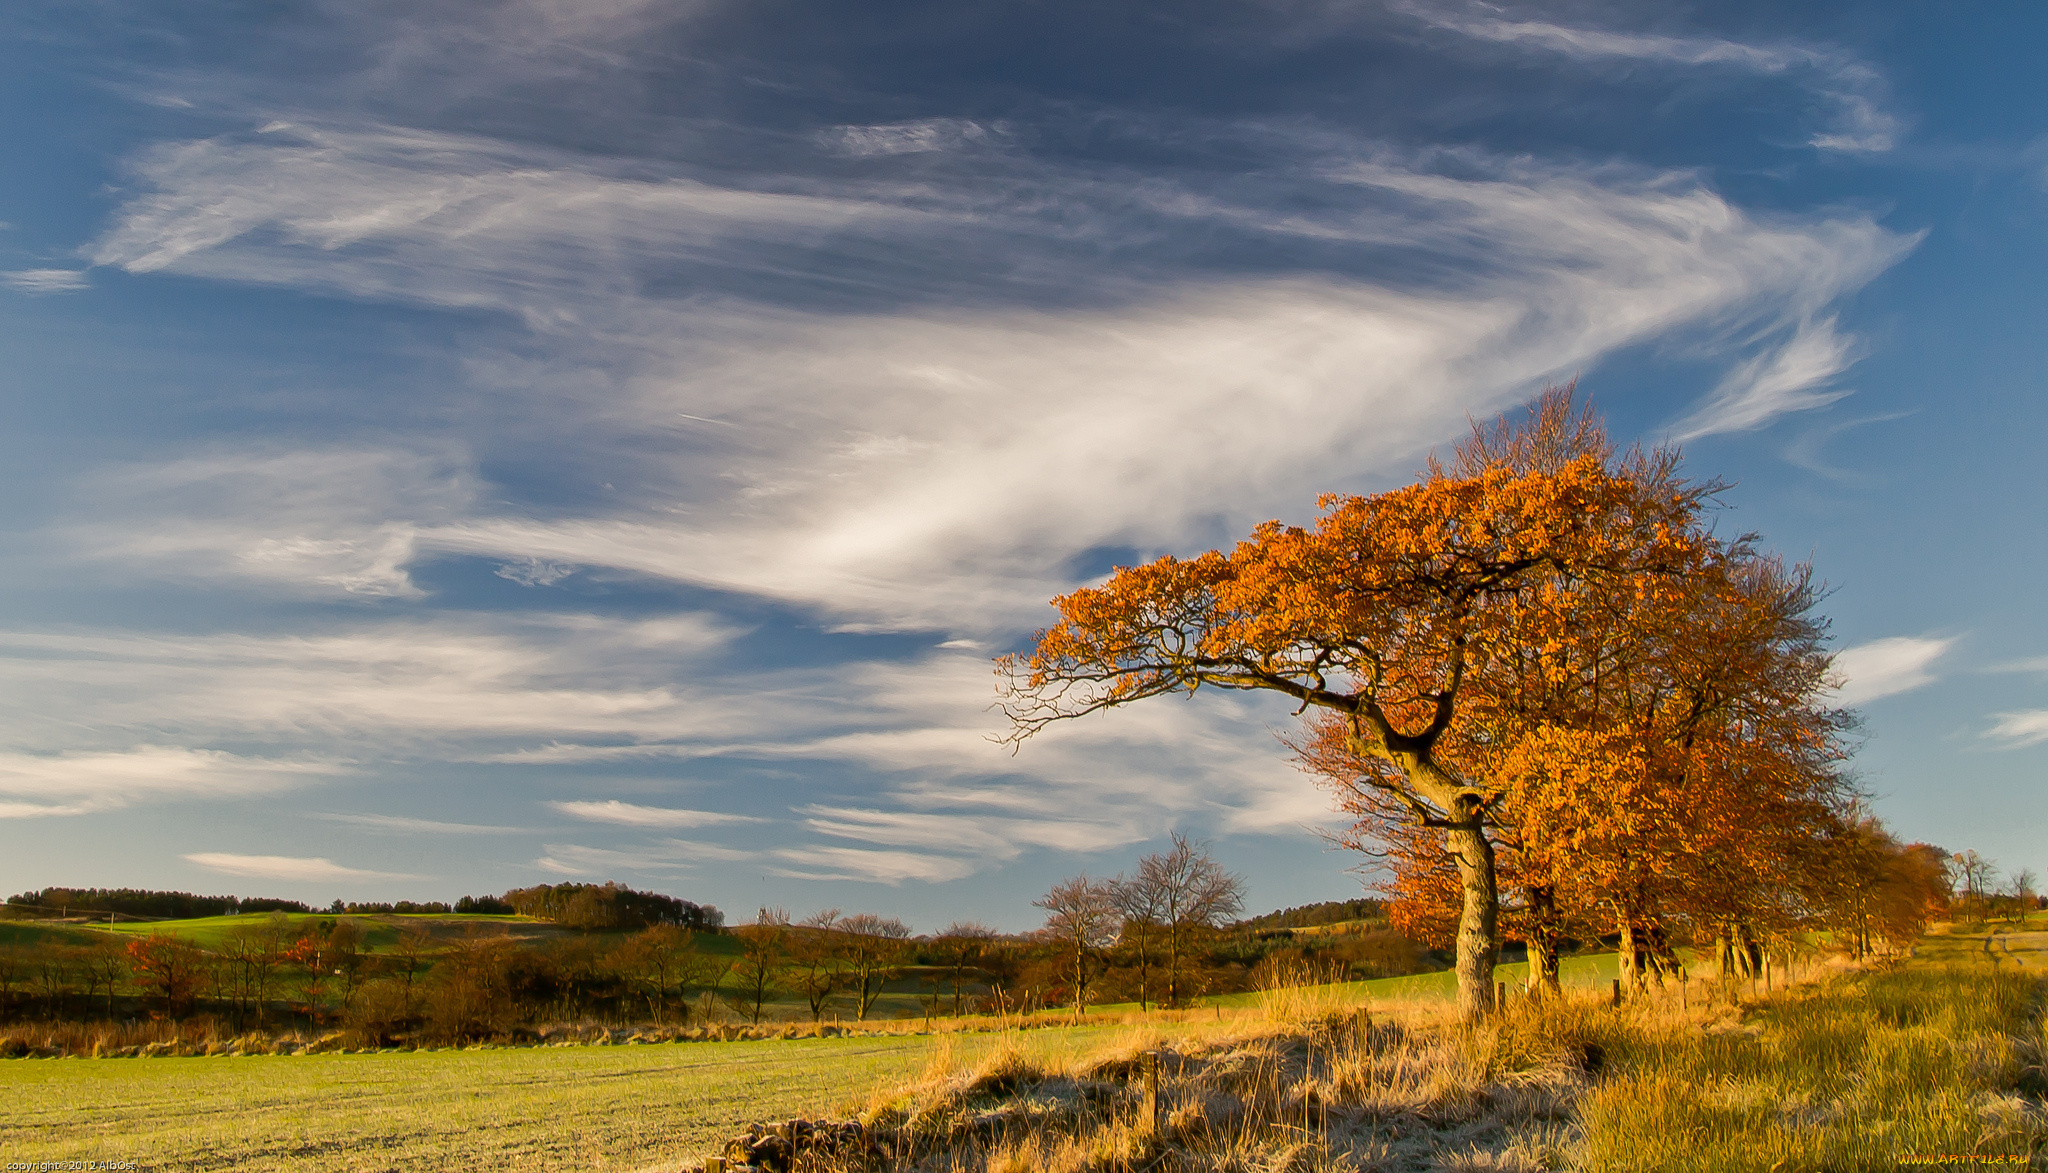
[1584, 972]
[599, 1108]
[380, 930]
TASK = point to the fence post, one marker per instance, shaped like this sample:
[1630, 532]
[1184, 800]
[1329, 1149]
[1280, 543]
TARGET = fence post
[1150, 1063]
[1617, 992]
[1500, 996]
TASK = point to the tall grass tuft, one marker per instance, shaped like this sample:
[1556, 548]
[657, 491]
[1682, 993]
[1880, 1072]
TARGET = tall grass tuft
[1869, 1071]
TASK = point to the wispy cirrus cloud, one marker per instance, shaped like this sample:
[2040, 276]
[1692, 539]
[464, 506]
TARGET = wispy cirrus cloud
[860, 865]
[78, 782]
[46, 280]
[2018, 730]
[403, 825]
[1789, 377]
[667, 855]
[1853, 93]
[908, 138]
[627, 814]
[363, 689]
[287, 867]
[969, 452]
[1887, 667]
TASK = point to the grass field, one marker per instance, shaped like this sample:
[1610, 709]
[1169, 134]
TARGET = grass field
[596, 1108]
[1891, 1056]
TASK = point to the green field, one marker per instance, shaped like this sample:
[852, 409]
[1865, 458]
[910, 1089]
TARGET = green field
[543, 1108]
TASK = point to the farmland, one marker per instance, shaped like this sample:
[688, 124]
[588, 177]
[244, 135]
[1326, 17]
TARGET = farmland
[646, 1107]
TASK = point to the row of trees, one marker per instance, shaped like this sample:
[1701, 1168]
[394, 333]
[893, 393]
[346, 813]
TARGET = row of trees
[139, 903]
[1980, 895]
[1157, 914]
[1547, 692]
[279, 970]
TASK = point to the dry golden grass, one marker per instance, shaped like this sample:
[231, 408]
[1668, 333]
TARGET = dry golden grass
[1853, 1068]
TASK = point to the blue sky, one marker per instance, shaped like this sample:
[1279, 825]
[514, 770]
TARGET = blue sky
[451, 447]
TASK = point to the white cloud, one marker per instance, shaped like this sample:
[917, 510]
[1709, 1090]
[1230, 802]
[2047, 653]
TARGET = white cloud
[569, 859]
[858, 865]
[906, 138]
[1885, 667]
[631, 815]
[338, 521]
[963, 456]
[75, 782]
[404, 825]
[380, 688]
[287, 867]
[534, 572]
[2018, 730]
[989, 839]
[1791, 377]
[1852, 90]
[46, 280]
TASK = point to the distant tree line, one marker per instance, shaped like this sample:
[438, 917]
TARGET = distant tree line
[1328, 912]
[390, 908]
[139, 902]
[611, 906]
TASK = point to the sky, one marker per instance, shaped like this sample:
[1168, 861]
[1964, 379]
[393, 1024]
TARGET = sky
[451, 447]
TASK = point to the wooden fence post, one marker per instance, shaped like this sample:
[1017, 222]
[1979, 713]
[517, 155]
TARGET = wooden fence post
[1617, 993]
[1500, 996]
[1150, 1063]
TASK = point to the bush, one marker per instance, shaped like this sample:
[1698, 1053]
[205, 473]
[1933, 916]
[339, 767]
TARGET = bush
[381, 1011]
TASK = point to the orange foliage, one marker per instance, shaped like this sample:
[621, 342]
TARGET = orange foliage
[1417, 619]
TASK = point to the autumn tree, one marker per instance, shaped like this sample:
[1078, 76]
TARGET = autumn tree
[1081, 915]
[1875, 890]
[1389, 613]
[167, 967]
[1659, 753]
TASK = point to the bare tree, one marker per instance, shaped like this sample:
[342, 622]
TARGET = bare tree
[870, 945]
[1143, 929]
[815, 966]
[661, 960]
[1187, 891]
[962, 944]
[762, 948]
[1979, 876]
[1081, 914]
[2020, 898]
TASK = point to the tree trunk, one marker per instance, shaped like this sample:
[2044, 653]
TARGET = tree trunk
[1630, 949]
[1543, 940]
[1478, 942]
